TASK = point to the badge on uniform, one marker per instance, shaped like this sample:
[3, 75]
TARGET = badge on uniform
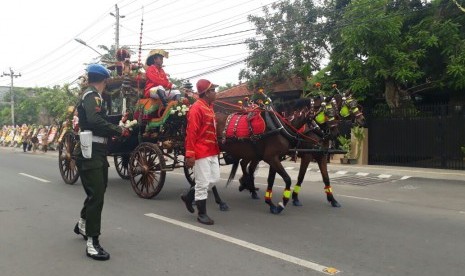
[97, 100]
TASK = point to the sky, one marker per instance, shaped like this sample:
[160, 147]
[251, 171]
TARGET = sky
[201, 36]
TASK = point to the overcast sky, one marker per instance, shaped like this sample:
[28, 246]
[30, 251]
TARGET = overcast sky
[38, 37]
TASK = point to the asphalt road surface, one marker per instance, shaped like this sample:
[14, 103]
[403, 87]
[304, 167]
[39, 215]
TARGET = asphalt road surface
[412, 226]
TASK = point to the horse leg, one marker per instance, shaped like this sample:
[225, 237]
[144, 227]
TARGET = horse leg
[243, 179]
[287, 190]
[305, 160]
[323, 165]
[221, 203]
[269, 190]
[277, 167]
[251, 170]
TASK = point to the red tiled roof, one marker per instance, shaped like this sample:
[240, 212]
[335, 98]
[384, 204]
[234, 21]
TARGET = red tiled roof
[241, 90]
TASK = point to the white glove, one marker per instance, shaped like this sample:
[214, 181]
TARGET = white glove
[173, 86]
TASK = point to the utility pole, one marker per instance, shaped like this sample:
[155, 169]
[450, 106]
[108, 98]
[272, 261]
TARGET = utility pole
[117, 16]
[12, 75]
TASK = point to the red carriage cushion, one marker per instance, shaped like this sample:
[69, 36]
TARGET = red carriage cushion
[244, 125]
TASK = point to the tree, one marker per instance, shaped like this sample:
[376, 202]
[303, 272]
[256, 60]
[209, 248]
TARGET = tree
[288, 43]
[399, 48]
[226, 86]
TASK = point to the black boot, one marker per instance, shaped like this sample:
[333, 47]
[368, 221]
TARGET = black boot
[188, 198]
[161, 95]
[203, 217]
[95, 251]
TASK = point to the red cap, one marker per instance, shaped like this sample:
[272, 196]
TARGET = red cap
[204, 85]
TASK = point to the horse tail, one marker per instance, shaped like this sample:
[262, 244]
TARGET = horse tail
[235, 165]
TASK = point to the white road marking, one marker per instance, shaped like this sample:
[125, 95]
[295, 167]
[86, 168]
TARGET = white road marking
[289, 168]
[362, 198]
[405, 177]
[36, 178]
[462, 212]
[384, 176]
[362, 174]
[341, 172]
[251, 246]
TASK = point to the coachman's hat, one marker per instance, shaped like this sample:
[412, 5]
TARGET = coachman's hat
[204, 85]
[154, 52]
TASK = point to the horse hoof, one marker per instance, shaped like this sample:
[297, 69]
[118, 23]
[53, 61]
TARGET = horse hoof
[224, 207]
[335, 204]
[280, 207]
[297, 203]
[274, 210]
[254, 195]
[241, 188]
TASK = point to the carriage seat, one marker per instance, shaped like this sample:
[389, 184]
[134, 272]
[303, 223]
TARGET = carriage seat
[152, 111]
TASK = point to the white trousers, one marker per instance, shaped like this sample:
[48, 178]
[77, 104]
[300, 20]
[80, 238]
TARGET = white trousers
[206, 172]
[168, 94]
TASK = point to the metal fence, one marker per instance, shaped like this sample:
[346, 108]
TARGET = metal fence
[427, 136]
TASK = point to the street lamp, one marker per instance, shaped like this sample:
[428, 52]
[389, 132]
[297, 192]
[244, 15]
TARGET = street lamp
[85, 44]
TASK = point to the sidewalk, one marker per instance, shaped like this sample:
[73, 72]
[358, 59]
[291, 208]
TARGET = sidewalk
[385, 171]
[334, 169]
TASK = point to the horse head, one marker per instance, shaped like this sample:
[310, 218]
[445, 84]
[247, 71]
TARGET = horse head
[326, 117]
[348, 108]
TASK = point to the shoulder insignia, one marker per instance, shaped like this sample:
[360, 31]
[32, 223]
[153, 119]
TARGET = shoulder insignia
[98, 100]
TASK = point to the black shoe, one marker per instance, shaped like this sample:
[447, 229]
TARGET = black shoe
[95, 251]
[188, 198]
[203, 217]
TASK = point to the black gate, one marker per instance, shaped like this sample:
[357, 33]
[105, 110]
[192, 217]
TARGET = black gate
[429, 137]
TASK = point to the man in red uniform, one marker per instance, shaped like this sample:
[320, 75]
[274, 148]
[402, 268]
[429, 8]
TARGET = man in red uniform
[202, 149]
[157, 83]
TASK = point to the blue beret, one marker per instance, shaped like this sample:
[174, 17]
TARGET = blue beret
[98, 69]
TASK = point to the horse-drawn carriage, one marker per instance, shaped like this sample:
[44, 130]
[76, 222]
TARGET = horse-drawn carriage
[156, 144]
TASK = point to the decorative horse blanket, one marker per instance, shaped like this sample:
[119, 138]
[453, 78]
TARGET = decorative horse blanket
[244, 125]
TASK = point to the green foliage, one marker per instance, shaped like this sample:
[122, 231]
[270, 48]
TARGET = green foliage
[377, 48]
[463, 150]
[359, 135]
[345, 145]
[39, 105]
[287, 43]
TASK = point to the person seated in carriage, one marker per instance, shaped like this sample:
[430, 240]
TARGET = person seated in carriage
[157, 84]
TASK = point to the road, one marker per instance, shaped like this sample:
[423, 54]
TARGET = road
[386, 226]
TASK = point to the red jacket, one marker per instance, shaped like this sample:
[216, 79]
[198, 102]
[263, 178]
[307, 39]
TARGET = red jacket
[201, 139]
[155, 76]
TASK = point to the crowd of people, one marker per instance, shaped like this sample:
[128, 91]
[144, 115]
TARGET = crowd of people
[30, 137]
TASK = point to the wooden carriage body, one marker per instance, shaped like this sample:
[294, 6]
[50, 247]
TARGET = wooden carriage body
[156, 143]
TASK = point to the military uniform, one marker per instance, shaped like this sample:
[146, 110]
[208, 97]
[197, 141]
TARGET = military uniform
[94, 171]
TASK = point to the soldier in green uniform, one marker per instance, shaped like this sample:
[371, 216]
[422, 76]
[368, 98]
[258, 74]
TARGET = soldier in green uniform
[94, 170]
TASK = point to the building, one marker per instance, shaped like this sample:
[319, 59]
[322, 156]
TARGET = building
[287, 90]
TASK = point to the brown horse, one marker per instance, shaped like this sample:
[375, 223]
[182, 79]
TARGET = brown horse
[327, 113]
[269, 147]
[347, 109]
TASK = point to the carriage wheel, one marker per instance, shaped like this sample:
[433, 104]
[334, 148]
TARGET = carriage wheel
[66, 163]
[145, 170]
[122, 165]
[189, 173]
